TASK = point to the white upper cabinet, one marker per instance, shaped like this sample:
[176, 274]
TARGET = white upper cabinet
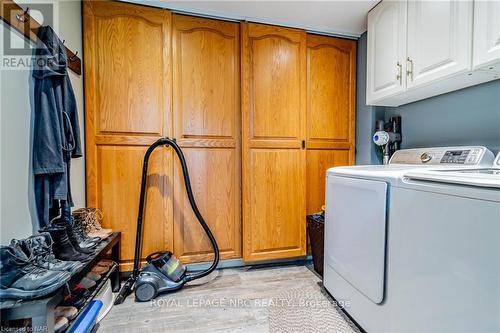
[386, 50]
[438, 45]
[486, 53]
[439, 40]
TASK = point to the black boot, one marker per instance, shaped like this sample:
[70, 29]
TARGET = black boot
[62, 247]
[22, 279]
[40, 248]
[75, 233]
[73, 238]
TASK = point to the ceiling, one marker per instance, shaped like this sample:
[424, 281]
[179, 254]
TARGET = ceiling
[336, 17]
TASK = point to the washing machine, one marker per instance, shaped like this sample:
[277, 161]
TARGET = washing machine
[368, 228]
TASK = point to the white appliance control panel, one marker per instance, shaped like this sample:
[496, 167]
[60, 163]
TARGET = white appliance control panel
[467, 155]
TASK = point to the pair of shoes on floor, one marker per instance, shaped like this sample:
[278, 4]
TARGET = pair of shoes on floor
[62, 316]
[102, 267]
[29, 270]
[90, 220]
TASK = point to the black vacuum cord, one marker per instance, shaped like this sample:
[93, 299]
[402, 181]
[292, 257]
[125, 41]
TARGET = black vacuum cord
[127, 287]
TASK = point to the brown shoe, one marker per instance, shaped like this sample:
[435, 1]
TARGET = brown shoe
[69, 312]
[60, 324]
[91, 221]
[101, 270]
[106, 263]
[102, 234]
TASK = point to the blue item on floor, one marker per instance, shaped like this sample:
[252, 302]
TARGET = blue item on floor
[86, 321]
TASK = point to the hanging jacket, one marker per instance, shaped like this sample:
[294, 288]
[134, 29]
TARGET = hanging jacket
[56, 134]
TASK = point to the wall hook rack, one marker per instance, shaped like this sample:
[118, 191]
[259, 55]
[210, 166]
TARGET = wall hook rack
[20, 20]
[74, 58]
[22, 17]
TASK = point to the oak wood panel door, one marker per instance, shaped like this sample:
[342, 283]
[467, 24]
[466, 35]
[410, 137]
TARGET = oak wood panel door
[273, 127]
[331, 89]
[127, 107]
[207, 122]
[318, 161]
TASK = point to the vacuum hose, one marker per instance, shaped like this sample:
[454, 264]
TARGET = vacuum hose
[127, 287]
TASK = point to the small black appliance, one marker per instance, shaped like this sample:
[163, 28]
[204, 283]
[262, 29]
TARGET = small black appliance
[163, 271]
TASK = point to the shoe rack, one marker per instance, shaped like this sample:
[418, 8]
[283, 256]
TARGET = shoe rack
[41, 311]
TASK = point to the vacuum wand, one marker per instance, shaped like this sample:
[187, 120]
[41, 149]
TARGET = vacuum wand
[126, 289]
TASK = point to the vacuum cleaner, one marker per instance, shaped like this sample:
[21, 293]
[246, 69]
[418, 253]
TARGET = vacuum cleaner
[163, 271]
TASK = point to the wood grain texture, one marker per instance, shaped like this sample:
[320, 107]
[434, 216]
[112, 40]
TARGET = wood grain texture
[127, 107]
[206, 75]
[131, 70]
[206, 112]
[331, 83]
[318, 161]
[276, 204]
[331, 109]
[120, 170]
[276, 108]
[213, 173]
[273, 125]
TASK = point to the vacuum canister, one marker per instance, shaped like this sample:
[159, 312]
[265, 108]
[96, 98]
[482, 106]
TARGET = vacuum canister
[168, 264]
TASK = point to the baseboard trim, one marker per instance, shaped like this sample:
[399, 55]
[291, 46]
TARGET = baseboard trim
[237, 263]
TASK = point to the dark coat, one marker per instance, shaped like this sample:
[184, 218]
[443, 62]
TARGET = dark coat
[56, 137]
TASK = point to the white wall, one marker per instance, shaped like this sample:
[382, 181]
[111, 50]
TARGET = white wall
[17, 211]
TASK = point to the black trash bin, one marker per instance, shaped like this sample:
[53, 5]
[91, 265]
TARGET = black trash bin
[316, 232]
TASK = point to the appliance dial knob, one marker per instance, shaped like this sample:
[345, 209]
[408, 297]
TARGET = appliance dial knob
[425, 157]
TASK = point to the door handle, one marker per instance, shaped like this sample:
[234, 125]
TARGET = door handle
[303, 144]
[409, 71]
[399, 73]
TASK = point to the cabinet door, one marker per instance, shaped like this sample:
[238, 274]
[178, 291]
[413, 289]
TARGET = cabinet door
[487, 34]
[206, 114]
[274, 110]
[439, 40]
[331, 95]
[127, 107]
[386, 50]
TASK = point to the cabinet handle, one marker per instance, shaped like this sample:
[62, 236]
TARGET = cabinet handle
[399, 74]
[303, 144]
[409, 71]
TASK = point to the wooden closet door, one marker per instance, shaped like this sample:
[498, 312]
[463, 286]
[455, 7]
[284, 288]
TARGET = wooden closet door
[273, 109]
[206, 100]
[127, 107]
[331, 95]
